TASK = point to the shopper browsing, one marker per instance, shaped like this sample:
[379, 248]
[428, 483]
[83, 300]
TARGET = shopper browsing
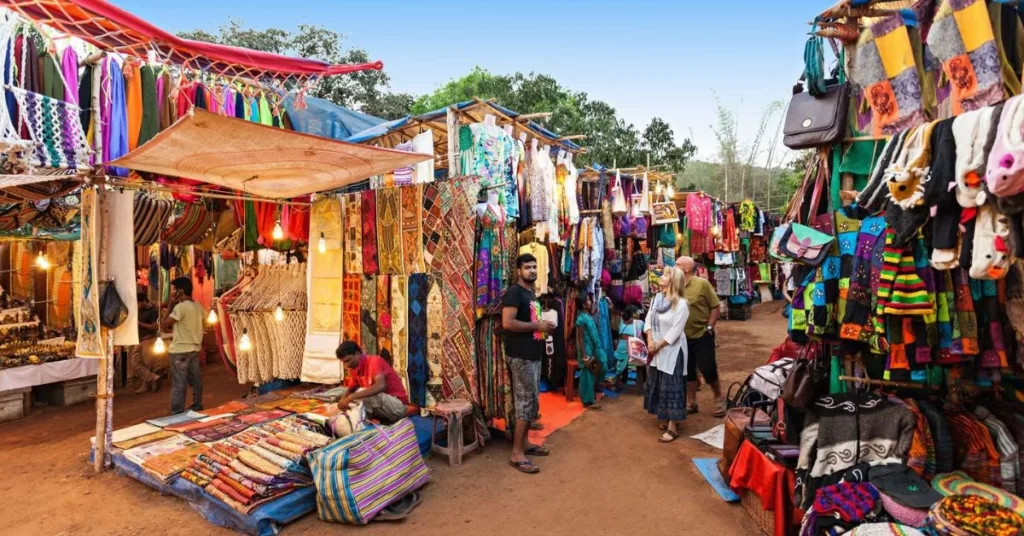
[186, 322]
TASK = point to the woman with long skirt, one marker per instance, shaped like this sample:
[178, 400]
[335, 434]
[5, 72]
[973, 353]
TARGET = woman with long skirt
[665, 394]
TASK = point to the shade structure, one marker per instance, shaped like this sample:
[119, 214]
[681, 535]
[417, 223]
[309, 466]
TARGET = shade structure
[258, 159]
[113, 29]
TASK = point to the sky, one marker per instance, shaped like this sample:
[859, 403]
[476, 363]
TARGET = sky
[646, 58]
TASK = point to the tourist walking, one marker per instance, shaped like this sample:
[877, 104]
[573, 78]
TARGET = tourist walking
[186, 322]
[525, 333]
[705, 310]
[665, 394]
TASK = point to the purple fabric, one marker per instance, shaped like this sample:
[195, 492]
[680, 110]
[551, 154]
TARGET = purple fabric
[229, 102]
[69, 68]
[115, 119]
[160, 92]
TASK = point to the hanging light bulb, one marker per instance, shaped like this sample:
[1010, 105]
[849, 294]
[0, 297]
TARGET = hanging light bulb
[245, 343]
[658, 189]
[279, 313]
[42, 262]
[158, 346]
[278, 233]
[212, 317]
[321, 246]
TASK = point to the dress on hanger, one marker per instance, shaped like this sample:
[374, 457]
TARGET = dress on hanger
[489, 268]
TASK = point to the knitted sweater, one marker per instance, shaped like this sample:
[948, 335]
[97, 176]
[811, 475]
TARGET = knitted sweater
[844, 430]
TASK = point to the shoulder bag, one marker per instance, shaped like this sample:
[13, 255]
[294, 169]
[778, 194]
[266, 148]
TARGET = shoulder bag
[618, 197]
[636, 347]
[816, 118]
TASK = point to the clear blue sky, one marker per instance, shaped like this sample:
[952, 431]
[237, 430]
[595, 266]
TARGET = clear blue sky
[646, 58]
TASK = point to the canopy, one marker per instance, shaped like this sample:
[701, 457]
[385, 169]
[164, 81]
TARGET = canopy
[323, 118]
[112, 29]
[259, 159]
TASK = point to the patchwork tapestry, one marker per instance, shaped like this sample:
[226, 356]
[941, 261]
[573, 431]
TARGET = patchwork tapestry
[389, 231]
[368, 324]
[351, 320]
[352, 206]
[888, 73]
[431, 229]
[400, 328]
[961, 39]
[90, 342]
[412, 229]
[369, 213]
[435, 352]
[457, 235]
[384, 347]
[419, 287]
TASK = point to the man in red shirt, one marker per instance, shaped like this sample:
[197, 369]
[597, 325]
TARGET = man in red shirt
[372, 381]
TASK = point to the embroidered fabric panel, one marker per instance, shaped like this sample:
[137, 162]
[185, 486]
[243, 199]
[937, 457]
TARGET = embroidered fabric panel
[351, 319]
[412, 229]
[90, 342]
[432, 229]
[389, 232]
[369, 214]
[384, 346]
[435, 349]
[353, 230]
[368, 324]
[419, 286]
[400, 328]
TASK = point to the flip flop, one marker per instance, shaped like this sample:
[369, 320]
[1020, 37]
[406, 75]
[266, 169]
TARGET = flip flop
[538, 451]
[673, 435]
[536, 426]
[400, 509]
[594, 407]
[525, 466]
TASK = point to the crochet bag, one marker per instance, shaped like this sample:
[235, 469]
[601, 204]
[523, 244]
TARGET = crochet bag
[805, 244]
[618, 197]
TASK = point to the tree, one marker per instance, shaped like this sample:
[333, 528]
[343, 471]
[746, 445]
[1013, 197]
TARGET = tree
[728, 141]
[366, 91]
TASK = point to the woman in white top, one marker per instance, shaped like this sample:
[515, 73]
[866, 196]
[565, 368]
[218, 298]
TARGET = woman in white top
[665, 396]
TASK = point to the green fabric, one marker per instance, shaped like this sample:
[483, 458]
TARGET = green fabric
[858, 159]
[150, 105]
[591, 348]
[835, 386]
[252, 232]
[266, 117]
[53, 80]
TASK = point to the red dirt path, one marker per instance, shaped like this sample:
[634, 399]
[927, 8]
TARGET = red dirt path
[607, 474]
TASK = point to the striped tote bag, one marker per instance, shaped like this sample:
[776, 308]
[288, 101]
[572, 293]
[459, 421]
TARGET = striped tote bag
[360, 475]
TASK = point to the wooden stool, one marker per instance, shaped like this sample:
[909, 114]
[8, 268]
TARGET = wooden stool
[570, 379]
[453, 412]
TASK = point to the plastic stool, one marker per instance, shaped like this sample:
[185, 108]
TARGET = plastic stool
[453, 412]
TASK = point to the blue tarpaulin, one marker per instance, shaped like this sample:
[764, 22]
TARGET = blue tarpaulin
[328, 120]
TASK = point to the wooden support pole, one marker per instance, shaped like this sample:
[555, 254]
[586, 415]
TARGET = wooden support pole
[100, 450]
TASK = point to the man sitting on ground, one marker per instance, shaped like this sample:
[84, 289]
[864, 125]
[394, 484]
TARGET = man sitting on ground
[372, 381]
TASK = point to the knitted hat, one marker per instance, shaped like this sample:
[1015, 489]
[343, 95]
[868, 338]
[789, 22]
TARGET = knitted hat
[906, 174]
[971, 130]
[914, 517]
[958, 483]
[849, 501]
[903, 485]
[873, 196]
[992, 255]
[884, 529]
[1005, 175]
[973, 515]
[941, 205]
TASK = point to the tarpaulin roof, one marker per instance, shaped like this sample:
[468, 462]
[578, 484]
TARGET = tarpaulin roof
[323, 118]
[391, 126]
[259, 159]
[113, 29]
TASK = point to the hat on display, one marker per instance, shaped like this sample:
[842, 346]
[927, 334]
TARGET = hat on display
[958, 483]
[884, 529]
[903, 486]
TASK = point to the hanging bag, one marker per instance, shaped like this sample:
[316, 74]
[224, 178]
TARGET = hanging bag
[801, 388]
[113, 311]
[636, 348]
[362, 474]
[816, 117]
[618, 197]
[805, 244]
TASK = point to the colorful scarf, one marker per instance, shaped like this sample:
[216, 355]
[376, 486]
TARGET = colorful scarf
[352, 205]
[368, 314]
[419, 287]
[389, 231]
[412, 232]
[369, 224]
[190, 227]
[351, 318]
[887, 73]
[400, 327]
[961, 38]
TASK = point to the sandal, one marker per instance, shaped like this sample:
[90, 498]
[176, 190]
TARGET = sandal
[672, 435]
[594, 407]
[536, 426]
[525, 466]
[692, 408]
[537, 450]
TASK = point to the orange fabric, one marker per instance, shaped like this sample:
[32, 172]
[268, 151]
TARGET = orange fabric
[133, 96]
[771, 482]
[555, 413]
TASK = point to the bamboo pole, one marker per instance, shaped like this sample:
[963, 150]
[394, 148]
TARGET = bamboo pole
[115, 182]
[100, 452]
[886, 383]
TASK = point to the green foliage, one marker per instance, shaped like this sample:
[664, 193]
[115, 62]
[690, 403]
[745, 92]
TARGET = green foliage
[366, 91]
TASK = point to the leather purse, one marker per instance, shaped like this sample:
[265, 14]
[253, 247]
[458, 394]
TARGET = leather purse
[801, 387]
[815, 121]
[775, 245]
[805, 244]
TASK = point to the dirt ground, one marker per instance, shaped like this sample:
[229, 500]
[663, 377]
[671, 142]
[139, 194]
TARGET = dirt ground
[607, 474]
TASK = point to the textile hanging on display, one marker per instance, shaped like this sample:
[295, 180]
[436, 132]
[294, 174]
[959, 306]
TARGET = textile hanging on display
[961, 38]
[351, 302]
[458, 365]
[324, 284]
[384, 345]
[888, 73]
[431, 230]
[116, 213]
[368, 324]
[55, 128]
[495, 395]
[435, 333]
[352, 205]
[419, 287]
[277, 347]
[423, 143]
[112, 102]
[150, 217]
[60, 285]
[190, 227]
[400, 328]
[389, 231]
[490, 257]
[412, 229]
[90, 341]
[369, 215]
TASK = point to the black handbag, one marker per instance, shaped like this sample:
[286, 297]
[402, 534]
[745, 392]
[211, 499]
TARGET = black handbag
[113, 311]
[816, 121]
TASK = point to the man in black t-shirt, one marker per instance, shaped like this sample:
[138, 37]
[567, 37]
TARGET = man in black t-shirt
[524, 346]
[148, 332]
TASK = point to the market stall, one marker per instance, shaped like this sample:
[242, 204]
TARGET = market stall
[900, 398]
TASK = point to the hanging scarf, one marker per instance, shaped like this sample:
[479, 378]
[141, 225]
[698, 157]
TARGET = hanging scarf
[69, 69]
[133, 95]
[115, 135]
[150, 122]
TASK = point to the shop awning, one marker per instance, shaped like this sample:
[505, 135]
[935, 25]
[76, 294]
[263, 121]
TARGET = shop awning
[113, 29]
[259, 159]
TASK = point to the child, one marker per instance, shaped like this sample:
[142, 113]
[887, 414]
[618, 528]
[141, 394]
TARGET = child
[631, 327]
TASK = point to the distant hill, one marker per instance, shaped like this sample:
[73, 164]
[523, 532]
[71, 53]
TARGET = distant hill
[710, 177]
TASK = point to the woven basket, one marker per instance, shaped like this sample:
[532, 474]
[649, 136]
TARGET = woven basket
[764, 519]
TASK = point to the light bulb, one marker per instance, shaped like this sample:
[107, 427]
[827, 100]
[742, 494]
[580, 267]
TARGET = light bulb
[321, 246]
[158, 346]
[212, 317]
[657, 189]
[279, 313]
[245, 343]
[278, 233]
[42, 262]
